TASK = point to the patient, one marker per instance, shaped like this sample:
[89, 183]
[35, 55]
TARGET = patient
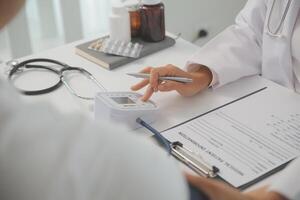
[47, 155]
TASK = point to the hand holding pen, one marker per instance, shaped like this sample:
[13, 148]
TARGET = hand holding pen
[201, 78]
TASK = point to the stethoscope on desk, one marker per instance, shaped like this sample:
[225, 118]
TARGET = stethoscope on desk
[16, 69]
[277, 32]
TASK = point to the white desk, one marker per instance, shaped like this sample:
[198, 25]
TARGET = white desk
[174, 108]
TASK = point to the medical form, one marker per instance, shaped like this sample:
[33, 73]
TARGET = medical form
[249, 137]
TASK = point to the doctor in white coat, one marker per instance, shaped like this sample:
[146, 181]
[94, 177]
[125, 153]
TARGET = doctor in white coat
[265, 40]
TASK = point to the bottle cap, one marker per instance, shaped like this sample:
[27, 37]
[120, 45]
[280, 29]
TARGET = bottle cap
[132, 5]
[118, 9]
[151, 2]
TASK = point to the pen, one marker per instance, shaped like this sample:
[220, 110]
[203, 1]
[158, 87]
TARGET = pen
[163, 78]
[160, 139]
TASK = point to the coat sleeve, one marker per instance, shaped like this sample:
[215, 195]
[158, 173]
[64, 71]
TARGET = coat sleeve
[237, 51]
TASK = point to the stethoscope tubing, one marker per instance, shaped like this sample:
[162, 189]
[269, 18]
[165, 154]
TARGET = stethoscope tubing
[29, 64]
[278, 30]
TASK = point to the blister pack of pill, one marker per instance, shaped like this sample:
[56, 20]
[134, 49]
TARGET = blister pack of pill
[119, 48]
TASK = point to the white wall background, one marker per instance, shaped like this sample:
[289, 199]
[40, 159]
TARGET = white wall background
[189, 16]
[45, 24]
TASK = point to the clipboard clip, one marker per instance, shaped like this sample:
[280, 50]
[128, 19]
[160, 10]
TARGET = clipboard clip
[193, 160]
[184, 155]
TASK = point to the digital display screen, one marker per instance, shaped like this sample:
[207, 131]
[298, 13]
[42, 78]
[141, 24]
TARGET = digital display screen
[123, 100]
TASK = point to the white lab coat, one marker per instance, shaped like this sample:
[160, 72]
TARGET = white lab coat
[246, 49]
[45, 155]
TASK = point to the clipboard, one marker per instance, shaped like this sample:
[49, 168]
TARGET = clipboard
[184, 155]
[194, 161]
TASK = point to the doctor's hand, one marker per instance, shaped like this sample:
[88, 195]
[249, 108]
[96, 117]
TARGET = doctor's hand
[216, 190]
[202, 77]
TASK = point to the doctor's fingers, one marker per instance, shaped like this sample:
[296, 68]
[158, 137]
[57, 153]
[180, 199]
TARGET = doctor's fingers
[143, 83]
[140, 85]
[146, 70]
[184, 89]
[156, 73]
[167, 86]
[168, 70]
[149, 92]
[154, 78]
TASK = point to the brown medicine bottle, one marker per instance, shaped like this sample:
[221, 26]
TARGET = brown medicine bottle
[135, 19]
[153, 20]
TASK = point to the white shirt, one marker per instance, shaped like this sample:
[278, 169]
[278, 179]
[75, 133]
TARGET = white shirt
[246, 49]
[47, 155]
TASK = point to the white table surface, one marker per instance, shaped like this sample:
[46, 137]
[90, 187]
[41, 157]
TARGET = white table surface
[173, 108]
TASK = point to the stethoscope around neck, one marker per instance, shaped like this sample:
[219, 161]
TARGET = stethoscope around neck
[35, 64]
[277, 32]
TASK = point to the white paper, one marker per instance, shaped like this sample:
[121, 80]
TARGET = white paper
[248, 138]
